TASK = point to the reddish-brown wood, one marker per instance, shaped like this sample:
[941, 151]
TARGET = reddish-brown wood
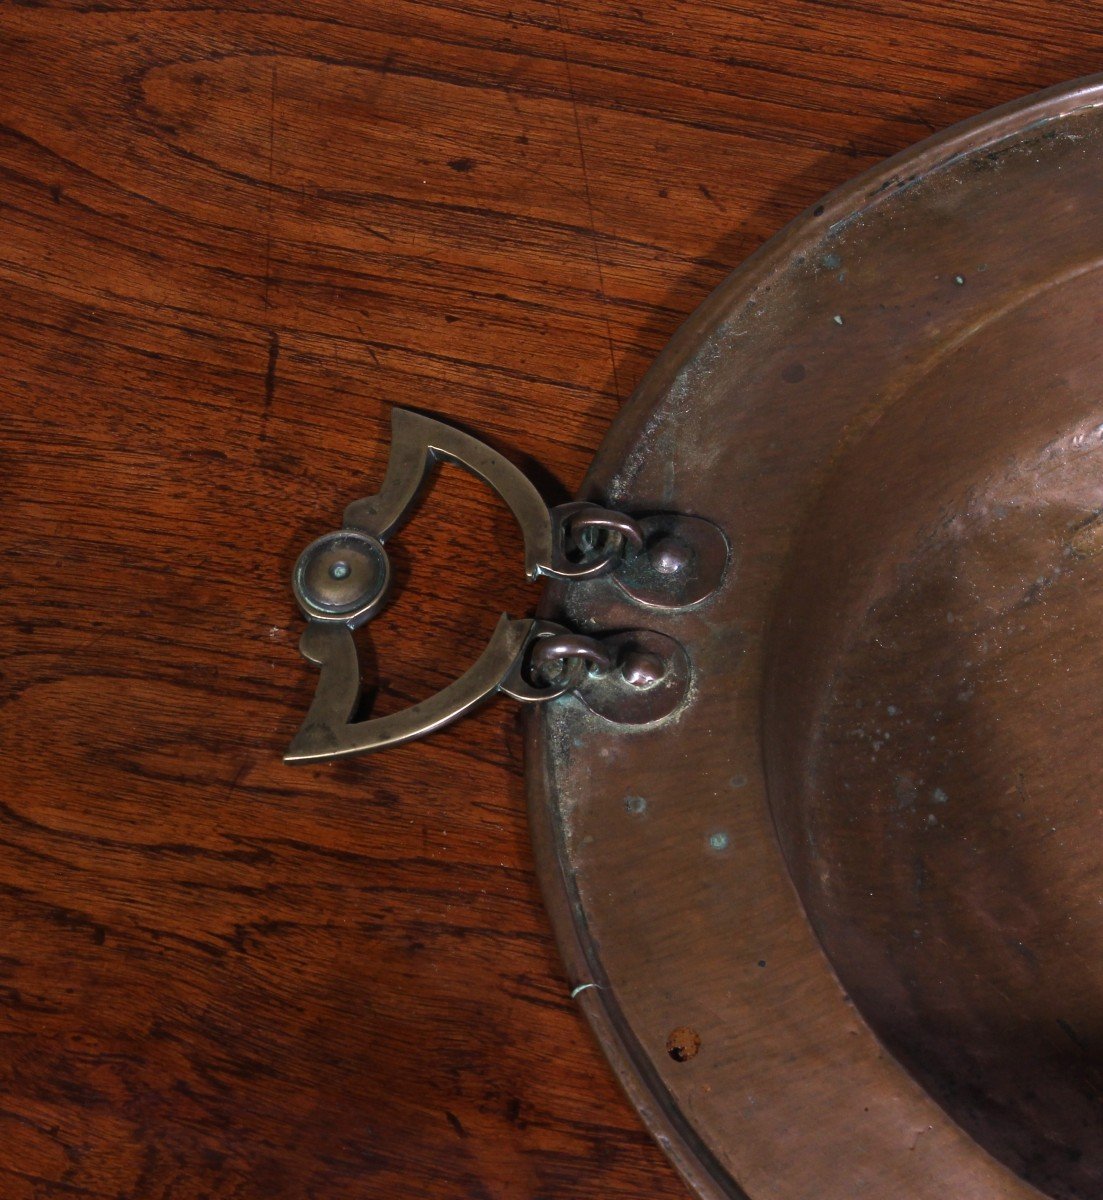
[233, 236]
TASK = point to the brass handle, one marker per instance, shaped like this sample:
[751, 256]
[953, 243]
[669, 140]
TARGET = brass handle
[343, 579]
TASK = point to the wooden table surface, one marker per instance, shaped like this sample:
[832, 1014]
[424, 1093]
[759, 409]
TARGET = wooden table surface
[233, 235]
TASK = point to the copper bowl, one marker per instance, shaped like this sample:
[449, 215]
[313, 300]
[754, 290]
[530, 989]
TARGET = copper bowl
[839, 926]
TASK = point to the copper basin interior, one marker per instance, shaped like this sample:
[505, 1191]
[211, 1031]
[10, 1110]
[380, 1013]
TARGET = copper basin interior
[933, 729]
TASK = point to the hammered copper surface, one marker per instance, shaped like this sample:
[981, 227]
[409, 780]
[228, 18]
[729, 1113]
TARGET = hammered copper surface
[859, 876]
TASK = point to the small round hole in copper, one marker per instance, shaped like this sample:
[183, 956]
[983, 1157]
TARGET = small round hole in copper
[683, 1043]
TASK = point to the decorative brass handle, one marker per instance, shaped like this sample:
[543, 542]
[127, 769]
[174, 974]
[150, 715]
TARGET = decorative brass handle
[343, 579]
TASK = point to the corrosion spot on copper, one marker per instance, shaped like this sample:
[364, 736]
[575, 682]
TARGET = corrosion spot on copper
[1087, 540]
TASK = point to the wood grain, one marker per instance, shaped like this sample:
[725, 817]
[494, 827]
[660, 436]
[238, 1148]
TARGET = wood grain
[233, 236]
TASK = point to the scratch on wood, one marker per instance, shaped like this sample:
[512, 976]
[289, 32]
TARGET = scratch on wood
[589, 199]
[271, 161]
[269, 381]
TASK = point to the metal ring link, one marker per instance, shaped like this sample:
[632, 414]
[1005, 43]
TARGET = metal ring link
[619, 529]
[551, 653]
